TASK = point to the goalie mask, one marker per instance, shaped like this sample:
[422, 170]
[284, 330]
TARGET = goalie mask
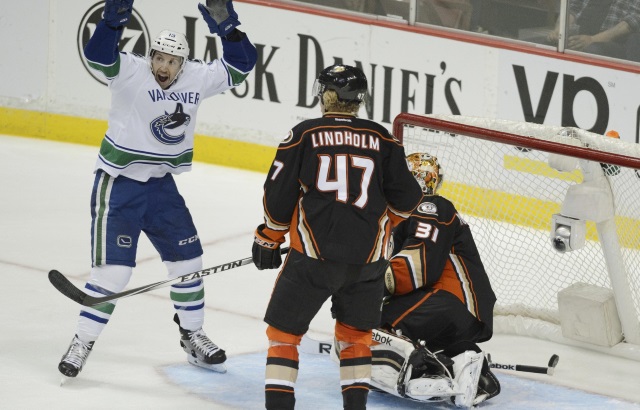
[174, 44]
[426, 171]
[349, 83]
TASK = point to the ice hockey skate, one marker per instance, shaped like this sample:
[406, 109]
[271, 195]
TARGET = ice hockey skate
[201, 351]
[74, 359]
[488, 384]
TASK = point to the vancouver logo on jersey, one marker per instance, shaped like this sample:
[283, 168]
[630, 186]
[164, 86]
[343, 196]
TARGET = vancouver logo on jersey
[135, 37]
[169, 128]
[427, 208]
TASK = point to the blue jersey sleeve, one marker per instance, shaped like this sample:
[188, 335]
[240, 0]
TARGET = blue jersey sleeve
[239, 57]
[101, 51]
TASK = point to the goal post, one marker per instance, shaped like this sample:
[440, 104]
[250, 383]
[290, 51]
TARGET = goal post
[555, 212]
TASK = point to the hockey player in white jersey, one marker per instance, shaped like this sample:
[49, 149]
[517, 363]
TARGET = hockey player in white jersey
[149, 138]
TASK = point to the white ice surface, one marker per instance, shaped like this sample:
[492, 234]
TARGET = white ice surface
[137, 362]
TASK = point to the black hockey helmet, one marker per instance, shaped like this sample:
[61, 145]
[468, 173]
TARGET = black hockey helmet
[347, 81]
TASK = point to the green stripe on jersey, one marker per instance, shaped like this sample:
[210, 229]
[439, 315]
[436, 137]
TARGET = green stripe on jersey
[123, 158]
[109, 71]
[237, 77]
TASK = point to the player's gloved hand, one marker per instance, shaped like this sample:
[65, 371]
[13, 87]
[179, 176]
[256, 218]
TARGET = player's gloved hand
[117, 12]
[265, 252]
[220, 16]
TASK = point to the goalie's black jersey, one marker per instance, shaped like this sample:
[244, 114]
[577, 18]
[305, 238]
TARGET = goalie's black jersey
[434, 248]
[337, 185]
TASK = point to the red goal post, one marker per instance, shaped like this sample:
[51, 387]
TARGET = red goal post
[517, 183]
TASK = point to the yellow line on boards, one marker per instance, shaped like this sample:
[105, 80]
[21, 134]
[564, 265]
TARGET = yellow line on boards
[473, 201]
[65, 128]
[526, 211]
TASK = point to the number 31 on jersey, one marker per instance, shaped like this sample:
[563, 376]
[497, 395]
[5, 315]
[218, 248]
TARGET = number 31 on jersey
[427, 231]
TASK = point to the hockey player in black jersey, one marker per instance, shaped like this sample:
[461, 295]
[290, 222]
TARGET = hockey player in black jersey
[438, 299]
[337, 186]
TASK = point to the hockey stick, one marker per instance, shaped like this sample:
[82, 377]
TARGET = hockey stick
[553, 361]
[64, 285]
[313, 346]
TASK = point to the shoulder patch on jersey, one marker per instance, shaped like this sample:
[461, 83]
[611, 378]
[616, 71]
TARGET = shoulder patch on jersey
[427, 208]
[288, 138]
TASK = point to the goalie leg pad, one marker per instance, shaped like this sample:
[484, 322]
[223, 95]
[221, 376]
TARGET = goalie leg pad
[427, 376]
[466, 369]
[430, 388]
[383, 339]
[385, 378]
[401, 369]
[389, 352]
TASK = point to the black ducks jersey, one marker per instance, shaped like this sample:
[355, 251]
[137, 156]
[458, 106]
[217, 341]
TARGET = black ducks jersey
[337, 185]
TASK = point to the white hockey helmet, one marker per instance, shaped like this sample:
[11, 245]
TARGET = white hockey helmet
[173, 43]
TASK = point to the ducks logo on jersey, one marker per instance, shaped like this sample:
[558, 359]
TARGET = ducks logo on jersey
[428, 208]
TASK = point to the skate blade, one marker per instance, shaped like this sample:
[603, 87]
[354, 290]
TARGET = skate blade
[64, 380]
[218, 368]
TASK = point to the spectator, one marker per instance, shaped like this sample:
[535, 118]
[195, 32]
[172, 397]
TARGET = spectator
[633, 47]
[600, 27]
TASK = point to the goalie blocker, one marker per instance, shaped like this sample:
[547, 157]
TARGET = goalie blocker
[402, 368]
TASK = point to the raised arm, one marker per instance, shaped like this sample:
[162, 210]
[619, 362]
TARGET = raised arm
[102, 48]
[238, 53]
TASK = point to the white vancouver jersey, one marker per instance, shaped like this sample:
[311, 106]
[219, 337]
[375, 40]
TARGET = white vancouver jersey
[150, 129]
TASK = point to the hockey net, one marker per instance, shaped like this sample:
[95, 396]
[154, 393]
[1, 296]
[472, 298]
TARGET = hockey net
[498, 175]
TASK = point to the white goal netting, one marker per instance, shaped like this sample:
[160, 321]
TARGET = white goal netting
[497, 173]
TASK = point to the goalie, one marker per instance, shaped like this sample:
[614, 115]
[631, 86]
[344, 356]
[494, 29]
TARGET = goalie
[438, 305]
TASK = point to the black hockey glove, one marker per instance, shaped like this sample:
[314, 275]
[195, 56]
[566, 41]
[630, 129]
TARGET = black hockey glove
[220, 16]
[265, 252]
[117, 12]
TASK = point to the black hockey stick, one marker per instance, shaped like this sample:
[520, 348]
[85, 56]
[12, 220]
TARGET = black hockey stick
[64, 285]
[553, 361]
